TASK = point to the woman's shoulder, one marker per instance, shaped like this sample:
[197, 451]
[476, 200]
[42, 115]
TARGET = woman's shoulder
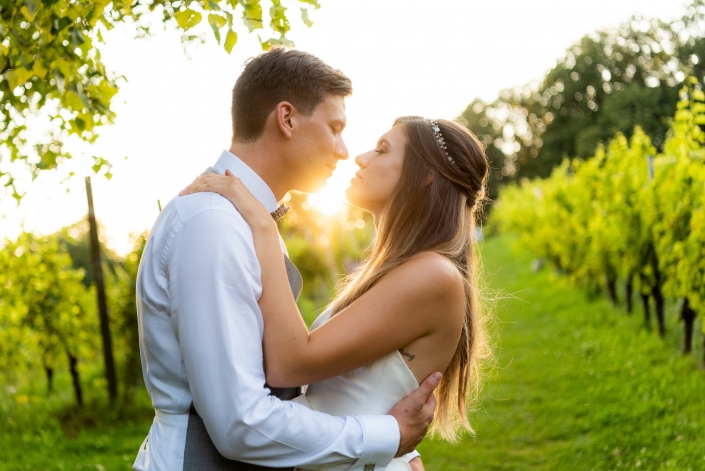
[433, 274]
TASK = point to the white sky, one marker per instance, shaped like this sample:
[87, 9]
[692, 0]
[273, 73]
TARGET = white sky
[403, 56]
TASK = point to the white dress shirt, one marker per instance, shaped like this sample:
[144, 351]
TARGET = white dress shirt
[200, 332]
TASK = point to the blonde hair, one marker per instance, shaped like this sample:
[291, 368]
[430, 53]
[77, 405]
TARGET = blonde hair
[439, 217]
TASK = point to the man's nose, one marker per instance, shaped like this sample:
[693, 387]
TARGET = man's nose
[341, 150]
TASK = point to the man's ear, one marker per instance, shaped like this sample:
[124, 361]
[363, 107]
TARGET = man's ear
[283, 114]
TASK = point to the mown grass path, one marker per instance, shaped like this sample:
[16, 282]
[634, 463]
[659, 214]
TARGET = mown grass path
[579, 385]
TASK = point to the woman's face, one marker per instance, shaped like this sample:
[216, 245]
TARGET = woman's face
[380, 170]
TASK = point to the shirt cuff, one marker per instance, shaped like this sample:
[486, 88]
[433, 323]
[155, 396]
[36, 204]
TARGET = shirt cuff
[381, 442]
[410, 456]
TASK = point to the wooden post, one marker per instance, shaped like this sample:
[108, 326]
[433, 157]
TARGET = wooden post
[102, 303]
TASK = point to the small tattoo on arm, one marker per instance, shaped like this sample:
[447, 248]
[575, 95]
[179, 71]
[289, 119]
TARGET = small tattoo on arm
[406, 354]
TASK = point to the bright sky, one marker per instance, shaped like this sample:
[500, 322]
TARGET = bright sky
[403, 56]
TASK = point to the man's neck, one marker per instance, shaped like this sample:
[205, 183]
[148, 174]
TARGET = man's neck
[264, 161]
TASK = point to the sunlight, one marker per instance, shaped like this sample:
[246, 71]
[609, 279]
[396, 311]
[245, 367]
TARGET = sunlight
[330, 199]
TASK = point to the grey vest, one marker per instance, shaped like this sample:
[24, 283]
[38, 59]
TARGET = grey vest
[200, 454]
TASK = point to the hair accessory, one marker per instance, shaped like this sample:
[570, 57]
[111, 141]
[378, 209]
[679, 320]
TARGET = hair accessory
[439, 138]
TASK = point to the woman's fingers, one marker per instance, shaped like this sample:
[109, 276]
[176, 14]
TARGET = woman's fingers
[212, 182]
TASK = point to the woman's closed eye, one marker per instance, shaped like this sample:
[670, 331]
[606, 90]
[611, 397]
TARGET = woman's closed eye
[379, 150]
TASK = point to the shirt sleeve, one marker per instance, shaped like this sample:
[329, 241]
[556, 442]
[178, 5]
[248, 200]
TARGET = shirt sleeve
[214, 285]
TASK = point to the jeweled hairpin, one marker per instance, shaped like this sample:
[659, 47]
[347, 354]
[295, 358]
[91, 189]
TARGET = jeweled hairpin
[439, 138]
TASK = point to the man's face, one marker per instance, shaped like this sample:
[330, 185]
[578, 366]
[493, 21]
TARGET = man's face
[318, 145]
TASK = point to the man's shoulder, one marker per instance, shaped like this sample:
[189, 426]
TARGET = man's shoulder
[209, 212]
[189, 206]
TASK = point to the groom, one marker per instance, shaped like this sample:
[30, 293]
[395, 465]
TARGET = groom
[198, 286]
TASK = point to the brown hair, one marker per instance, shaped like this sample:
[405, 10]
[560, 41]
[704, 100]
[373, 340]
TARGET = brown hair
[437, 217]
[279, 75]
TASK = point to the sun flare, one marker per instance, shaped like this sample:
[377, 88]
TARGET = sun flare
[330, 199]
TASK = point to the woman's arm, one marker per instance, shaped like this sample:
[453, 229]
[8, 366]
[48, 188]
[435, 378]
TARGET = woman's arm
[401, 308]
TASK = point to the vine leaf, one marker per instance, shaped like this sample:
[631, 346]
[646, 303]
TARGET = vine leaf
[188, 18]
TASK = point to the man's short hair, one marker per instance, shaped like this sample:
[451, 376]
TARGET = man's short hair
[279, 75]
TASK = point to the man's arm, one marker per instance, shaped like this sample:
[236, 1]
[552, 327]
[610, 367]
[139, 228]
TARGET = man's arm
[213, 288]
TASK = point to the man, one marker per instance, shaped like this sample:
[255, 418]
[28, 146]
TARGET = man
[199, 283]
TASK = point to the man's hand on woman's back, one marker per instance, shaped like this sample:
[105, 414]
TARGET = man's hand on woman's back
[414, 414]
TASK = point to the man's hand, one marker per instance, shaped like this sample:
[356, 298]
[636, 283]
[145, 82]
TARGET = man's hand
[414, 414]
[416, 464]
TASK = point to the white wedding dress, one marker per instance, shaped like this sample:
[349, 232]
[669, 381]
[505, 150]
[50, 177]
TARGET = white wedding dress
[370, 390]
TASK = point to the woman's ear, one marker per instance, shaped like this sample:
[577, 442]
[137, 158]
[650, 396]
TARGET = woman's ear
[430, 177]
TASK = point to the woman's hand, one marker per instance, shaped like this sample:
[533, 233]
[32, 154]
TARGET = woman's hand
[232, 188]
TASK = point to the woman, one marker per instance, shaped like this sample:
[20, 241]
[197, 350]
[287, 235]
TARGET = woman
[411, 308]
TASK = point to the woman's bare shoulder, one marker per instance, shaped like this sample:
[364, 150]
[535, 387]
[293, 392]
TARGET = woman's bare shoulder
[434, 277]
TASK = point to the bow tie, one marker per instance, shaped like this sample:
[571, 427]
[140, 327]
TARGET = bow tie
[280, 212]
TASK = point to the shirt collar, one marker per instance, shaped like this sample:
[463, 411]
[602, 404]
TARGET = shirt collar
[249, 178]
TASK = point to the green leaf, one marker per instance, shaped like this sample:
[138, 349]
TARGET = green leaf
[39, 70]
[230, 41]
[77, 37]
[252, 16]
[97, 11]
[74, 102]
[305, 18]
[18, 76]
[313, 3]
[29, 13]
[698, 95]
[188, 18]
[216, 22]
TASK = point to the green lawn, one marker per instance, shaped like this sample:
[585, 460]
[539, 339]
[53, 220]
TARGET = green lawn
[579, 386]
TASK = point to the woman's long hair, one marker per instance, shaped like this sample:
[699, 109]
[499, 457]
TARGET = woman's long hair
[433, 208]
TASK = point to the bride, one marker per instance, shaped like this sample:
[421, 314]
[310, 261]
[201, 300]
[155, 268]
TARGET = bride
[411, 308]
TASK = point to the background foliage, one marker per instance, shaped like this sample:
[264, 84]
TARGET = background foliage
[50, 65]
[628, 212]
[608, 82]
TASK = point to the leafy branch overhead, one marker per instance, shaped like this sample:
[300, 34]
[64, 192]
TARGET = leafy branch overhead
[50, 65]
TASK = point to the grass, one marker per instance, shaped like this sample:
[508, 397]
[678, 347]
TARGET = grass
[579, 386]
[41, 433]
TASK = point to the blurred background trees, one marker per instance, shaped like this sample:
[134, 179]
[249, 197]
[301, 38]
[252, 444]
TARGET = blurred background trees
[628, 213]
[608, 82]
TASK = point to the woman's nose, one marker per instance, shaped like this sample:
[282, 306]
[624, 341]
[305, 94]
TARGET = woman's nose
[362, 160]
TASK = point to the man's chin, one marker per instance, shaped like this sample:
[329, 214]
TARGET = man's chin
[313, 187]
